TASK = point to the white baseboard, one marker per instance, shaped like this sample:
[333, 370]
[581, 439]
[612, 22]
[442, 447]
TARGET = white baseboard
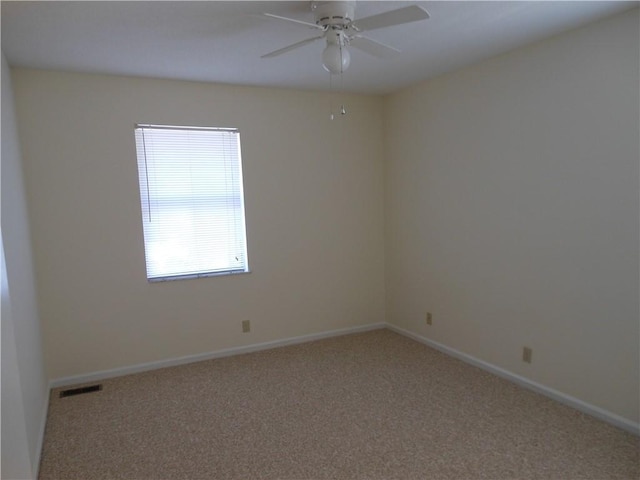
[573, 402]
[227, 352]
[611, 418]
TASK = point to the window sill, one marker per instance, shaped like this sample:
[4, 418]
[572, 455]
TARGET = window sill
[196, 275]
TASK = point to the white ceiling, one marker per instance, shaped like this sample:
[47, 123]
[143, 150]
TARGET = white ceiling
[217, 41]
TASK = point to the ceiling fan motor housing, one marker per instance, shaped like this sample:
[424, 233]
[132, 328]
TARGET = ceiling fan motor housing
[334, 13]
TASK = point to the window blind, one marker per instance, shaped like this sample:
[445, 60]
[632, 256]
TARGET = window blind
[192, 202]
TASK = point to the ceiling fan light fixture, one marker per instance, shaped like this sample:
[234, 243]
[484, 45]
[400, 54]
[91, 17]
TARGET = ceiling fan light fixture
[335, 58]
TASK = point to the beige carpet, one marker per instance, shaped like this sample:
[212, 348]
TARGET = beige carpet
[374, 405]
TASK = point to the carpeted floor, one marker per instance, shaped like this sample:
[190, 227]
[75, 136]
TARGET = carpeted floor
[374, 405]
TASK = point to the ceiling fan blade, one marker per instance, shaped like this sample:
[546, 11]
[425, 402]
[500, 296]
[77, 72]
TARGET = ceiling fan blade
[372, 47]
[308, 24]
[280, 51]
[408, 14]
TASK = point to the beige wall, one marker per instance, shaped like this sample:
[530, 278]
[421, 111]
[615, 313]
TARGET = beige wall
[314, 203]
[503, 198]
[24, 383]
[512, 212]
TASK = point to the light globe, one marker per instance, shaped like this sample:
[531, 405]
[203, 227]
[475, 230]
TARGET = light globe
[335, 58]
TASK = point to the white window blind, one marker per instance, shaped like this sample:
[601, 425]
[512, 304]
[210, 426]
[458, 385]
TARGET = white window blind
[192, 201]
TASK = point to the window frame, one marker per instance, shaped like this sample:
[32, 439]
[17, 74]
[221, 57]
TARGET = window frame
[239, 212]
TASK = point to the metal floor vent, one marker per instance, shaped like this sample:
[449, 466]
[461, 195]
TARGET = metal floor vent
[79, 391]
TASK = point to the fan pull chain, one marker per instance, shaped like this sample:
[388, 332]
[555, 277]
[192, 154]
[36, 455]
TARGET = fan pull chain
[331, 116]
[342, 109]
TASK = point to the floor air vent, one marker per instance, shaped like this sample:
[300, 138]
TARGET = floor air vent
[79, 391]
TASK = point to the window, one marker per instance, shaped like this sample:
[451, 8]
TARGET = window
[192, 201]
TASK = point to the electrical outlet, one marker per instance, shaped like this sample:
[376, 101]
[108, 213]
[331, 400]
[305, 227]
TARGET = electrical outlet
[246, 326]
[527, 353]
[429, 319]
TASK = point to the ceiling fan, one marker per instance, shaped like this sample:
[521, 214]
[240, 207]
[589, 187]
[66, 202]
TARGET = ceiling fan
[335, 19]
